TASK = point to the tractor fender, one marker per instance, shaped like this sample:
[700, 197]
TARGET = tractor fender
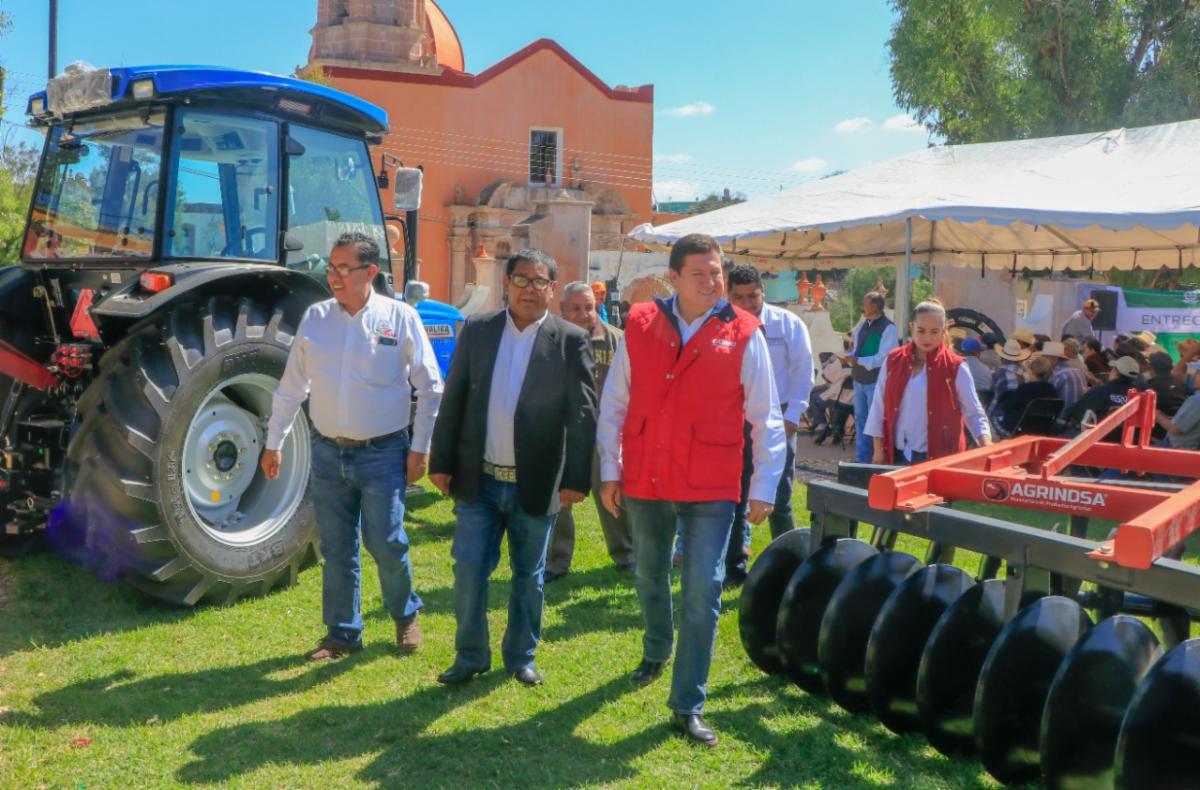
[130, 304]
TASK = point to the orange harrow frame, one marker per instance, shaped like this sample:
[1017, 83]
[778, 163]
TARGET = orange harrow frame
[1025, 472]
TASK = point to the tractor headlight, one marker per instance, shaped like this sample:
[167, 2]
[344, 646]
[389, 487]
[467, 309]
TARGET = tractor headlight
[142, 89]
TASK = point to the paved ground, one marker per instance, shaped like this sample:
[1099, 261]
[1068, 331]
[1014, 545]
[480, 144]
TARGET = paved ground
[813, 461]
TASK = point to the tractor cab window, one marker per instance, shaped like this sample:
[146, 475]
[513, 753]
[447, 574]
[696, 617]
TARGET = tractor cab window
[97, 194]
[331, 190]
[224, 203]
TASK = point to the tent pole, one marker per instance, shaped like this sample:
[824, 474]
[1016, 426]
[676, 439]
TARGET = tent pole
[904, 284]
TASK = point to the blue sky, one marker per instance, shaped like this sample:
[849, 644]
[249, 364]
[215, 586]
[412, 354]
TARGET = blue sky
[771, 94]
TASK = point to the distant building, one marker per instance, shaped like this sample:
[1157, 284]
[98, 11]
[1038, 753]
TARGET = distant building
[534, 150]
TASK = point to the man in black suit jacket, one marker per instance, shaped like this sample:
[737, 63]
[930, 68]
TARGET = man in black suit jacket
[512, 444]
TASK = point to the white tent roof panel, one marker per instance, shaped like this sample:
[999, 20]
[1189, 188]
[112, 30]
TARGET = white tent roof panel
[1100, 201]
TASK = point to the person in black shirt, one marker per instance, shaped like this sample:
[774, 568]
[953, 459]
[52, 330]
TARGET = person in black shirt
[1109, 395]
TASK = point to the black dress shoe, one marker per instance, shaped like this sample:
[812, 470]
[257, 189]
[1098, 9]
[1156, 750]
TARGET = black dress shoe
[820, 438]
[551, 576]
[458, 675]
[647, 672]
[695, 728]
[733, 580]
[528, 677]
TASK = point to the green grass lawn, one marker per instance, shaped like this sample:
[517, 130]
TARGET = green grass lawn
[100, 687]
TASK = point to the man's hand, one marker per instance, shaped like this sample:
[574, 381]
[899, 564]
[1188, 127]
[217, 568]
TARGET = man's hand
[878, 456]
[610, 497]
[790, 428]
[758, 511]
[270, 462]
[416, 466]
[441, 482]
[568, 497]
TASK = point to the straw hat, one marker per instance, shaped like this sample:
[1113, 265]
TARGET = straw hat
[1052, 348]
[1147, 337]
[1024, 335]
[1012, 351]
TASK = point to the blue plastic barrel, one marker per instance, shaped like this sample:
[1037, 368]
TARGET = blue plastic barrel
[442, 323]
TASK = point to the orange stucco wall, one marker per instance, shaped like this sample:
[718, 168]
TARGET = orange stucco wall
[475, 135]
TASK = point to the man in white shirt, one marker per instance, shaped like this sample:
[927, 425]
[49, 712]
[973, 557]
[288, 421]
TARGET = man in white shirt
[792, 363]
[513, 445]
[356, 358]
[689, 372]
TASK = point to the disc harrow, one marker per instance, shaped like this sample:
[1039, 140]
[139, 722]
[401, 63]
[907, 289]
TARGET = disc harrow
[1042, 662]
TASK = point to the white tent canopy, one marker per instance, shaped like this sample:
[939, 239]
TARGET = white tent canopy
[1113, 200]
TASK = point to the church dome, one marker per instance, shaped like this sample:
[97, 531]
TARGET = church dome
[445, 38]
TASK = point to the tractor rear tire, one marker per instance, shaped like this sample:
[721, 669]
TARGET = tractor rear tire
[163, 474]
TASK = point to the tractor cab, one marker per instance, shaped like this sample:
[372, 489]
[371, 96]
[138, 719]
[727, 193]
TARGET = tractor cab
[146, 166]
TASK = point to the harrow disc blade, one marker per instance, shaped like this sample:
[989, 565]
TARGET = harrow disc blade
[950, 665]
[1088, 698]
[1015, 681]
[898, 639]
[842, 646]
[804, 603]
[762, 593]
[1160, 735]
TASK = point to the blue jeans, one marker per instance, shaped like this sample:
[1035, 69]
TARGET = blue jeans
[361, 486]
[476, 553]
[705, 540]
[781, 519]
[864, 446]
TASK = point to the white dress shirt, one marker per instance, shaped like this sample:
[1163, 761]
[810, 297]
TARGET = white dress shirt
[761, 405]
[911, 432]
[791, 359]
[512, 360]
[357, 372]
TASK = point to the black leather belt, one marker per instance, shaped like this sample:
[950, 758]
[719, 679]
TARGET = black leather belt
[345, 443]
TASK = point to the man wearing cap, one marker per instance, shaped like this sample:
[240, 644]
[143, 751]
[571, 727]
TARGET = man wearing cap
[1068, 382]
[874, 338]
[357, 357]
[981, 374]
[1104, 398]
[1079, 325]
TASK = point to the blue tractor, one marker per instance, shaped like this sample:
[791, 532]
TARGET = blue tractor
[179, 228]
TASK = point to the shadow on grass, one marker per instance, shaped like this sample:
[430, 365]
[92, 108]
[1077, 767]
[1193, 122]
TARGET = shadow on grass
[118, 700]
[543, 750]
[819, 753]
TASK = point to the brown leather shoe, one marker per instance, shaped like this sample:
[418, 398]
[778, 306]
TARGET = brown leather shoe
[328, 650]
[408, 635]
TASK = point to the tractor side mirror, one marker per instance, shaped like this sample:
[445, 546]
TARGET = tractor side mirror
[292, 243]
[407, 194]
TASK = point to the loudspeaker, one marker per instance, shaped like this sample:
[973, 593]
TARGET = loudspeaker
[1106, 320]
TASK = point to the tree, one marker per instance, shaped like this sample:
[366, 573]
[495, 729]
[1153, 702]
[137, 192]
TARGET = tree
[715, 201]
[983, 70]
[18, 166]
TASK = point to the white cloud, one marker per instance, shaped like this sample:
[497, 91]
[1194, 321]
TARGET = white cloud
[688, 110]
[852, 125]
[902, 123]
[673, 159]
[676, 190]
[810, 166]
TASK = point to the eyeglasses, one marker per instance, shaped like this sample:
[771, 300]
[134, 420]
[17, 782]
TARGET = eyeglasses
[538, 283]
[344, 271]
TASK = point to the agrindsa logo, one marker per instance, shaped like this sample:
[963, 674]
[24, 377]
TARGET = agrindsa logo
[1037, 493]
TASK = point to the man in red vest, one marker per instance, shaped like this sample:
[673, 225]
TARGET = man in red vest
[688, 373]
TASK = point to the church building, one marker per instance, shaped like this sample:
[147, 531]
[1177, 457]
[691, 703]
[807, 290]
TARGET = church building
[535, 150]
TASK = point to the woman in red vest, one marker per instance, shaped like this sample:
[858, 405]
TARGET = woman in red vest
[924, 397]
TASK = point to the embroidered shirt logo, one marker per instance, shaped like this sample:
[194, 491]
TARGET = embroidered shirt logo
[723, 344]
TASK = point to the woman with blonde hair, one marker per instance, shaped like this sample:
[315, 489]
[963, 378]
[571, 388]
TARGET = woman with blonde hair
[924, 397]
